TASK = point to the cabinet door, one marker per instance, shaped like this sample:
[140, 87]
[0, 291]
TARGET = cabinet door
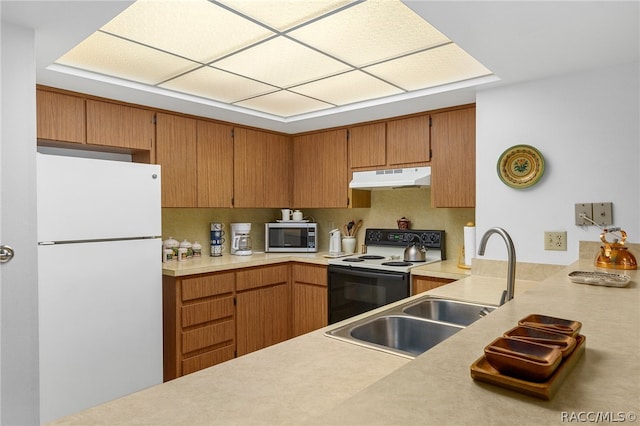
[422, 284]
[120, 126]
[320, 170]
[408, 141]
[214, 164]
[176, 153]
[310, 304]
[262, 169]
[263, 318]
[367, 146]
[60, 117]
[453, 167]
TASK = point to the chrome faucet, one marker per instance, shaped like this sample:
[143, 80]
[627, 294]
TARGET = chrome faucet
[511, 273]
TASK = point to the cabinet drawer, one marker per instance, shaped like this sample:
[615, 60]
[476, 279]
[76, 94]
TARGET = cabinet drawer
[309, 274]
[262, 276]
[207, 285]
[207, 336]
[209, 310]
[207, 359]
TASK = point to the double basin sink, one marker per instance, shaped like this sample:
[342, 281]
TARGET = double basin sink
[413, 327]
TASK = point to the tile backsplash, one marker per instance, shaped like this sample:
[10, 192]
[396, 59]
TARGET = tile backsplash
[387, 206]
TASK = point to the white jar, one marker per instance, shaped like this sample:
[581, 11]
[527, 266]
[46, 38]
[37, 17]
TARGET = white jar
[172, 244]
[167, 255]
[182, 254]
[349, 245]
[297, 216]
[197, 249]
[187, 245]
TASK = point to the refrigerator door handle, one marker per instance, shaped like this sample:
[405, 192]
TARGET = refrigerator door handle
[6, 254]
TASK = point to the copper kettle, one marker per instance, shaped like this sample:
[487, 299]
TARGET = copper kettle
[615, 255]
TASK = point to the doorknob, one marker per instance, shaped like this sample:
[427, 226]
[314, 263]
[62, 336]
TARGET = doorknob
[6, 254]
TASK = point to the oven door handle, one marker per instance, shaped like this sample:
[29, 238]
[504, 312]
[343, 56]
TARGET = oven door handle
[362, 273]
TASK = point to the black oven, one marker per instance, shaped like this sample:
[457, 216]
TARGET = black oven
[353, 291]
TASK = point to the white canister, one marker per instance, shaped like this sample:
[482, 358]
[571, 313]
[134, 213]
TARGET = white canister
[187, 245]
[297, 215]
[197, 249]
[349, 245]
[182, 254]
[167, 255]
[173, 244]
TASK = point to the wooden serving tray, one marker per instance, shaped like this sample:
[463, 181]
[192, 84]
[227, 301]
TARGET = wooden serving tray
[482, 371]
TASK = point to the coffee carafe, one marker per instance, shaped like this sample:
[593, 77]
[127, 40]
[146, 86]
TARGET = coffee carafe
[240, 239]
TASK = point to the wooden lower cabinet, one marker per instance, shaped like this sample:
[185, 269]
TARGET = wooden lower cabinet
[310, 304]
[263, 307]
[199, 322]
[421, 283]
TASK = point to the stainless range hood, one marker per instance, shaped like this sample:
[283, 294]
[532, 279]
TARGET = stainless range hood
[392, 178]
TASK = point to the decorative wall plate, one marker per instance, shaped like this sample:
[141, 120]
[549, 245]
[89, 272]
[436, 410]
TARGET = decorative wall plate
[521, 166]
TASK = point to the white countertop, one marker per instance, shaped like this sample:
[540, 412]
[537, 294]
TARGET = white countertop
[313, 379]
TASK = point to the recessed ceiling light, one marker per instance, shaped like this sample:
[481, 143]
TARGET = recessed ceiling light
[279, 57]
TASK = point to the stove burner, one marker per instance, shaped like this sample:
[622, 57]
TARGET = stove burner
[353, 259]
[371, 257]
[397, 263]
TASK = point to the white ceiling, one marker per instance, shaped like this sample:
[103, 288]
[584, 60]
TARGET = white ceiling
[517, 40]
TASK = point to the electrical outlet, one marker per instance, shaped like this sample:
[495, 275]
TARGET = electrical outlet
[587, 210]
[556, 240]
[603, 213]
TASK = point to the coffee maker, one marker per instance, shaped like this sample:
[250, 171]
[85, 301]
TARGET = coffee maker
[240, 239]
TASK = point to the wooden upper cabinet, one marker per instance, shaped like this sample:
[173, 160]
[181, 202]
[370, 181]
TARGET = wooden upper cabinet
[320, 177]
[214, 164]
[367, 146]
[60, 117]
[176, 151]
[408, 141]
[262, 169]
[120, 126]
[453, 166]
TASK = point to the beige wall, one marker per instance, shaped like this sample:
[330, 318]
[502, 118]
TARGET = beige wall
[387, 207]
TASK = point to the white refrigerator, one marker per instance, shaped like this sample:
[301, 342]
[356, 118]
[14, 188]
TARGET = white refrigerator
[99, 281]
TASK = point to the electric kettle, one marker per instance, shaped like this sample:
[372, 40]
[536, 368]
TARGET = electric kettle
[615, 255]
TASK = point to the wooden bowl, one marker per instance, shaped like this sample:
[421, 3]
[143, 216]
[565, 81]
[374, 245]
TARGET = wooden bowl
[566, 344]
[523, 360]
[553, 324]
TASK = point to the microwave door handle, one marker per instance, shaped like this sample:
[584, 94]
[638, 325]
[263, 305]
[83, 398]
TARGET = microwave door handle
[363, 273]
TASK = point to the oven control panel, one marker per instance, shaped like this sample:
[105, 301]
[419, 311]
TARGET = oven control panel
[404, 237]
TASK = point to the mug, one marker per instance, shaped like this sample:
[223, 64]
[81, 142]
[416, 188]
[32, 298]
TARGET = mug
[217, 226]
[217, 241]
[217, 235]
[297, 215]
[216, 250]
[286, 214]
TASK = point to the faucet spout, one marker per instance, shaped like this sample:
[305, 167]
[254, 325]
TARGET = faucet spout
[511, 260]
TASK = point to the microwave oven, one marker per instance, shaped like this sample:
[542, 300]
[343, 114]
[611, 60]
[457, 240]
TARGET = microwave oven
[294, 237]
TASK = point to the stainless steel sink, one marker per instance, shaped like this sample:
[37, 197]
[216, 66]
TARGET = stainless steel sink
[413, 327]
[451, 311]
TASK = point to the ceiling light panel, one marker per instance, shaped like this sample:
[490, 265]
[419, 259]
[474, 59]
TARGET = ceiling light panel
[370, 32]
[350, 87]
[194, 29]
[105, 54]
[217, 85]
[284, 104]
[281, 62]
[284, 14]
[434, 67]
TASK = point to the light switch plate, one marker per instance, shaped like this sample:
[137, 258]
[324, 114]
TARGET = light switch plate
[555, 240]
[586, 209]
[603, 213]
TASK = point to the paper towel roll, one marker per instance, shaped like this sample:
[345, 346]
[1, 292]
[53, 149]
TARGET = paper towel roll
[469, 244]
